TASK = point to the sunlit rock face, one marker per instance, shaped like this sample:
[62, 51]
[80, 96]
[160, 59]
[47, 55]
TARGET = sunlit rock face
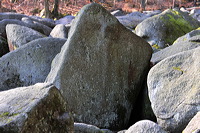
[100, 68]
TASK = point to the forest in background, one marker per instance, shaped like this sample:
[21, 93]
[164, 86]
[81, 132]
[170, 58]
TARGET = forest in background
[70, 7]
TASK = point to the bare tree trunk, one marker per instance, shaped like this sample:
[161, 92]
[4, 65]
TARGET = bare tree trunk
[142, 4]
[174, 3]
[55, 8]
[47, 12]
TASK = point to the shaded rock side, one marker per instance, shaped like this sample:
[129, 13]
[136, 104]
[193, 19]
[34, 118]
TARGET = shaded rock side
[36, 109]
[18, 35]
[194, 125]
[145, 126]
[29, 64]
[174, 89]
[3, 46]
[163, 29]
[100, 68]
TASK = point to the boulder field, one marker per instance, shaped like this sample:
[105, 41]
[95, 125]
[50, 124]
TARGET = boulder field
[100, 72]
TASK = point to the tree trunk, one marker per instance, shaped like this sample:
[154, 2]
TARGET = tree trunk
[142, 4]
[47, 12]
[55, 9]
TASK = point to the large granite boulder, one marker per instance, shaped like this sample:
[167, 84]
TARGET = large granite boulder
[60, 31]
[145, 126]
[100, 68]
[163, 29]
[29, 64]
[194, 125]
[3, 46]
[18, 35]
[38, 108]
[174, 89]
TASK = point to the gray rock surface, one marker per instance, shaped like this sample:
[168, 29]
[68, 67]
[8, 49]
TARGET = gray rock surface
[3, 46]
[100, 68]
[18, 35]
[132, 20]
[174, 89]
[38, 108]
[163, 29]
[152, 13]
[86, 128]
[11, 15]
[60, 31]
[194, 125]
[29, 64]
[177, 47]
[36, 26]
[65, 20]
[145, 126]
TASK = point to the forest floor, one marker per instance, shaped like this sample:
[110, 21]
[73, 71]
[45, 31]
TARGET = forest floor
[34, 7]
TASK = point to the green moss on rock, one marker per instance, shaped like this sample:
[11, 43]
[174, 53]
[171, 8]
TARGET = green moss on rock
[176, 25]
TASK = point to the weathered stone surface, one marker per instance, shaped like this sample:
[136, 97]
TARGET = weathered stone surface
[122, 131]
[60, 31]
[27, 20]
[11, 15]
[45, 21]
[65, 20]
[86, 128]
[100, 68]
[29, 64]
[177, 47]
[195, 13]
[194, 125]
[3, 46]
[132, 20]
[192, 36]
[163, 29]
[152, 13]
[174, 89]
[145, 126]
[36, 26]
[18, 35]
[38, 108]
[17, 16]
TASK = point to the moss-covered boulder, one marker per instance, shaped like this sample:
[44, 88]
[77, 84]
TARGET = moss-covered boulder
[163, 29]
[36, 109]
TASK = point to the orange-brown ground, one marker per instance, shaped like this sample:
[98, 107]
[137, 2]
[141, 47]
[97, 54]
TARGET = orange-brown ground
[33, 7]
